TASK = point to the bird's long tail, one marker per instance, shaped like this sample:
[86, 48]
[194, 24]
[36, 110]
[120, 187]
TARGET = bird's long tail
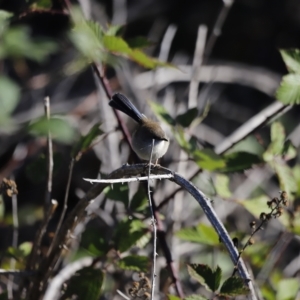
[120, 102]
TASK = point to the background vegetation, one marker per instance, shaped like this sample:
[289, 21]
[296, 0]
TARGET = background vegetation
[223, 77]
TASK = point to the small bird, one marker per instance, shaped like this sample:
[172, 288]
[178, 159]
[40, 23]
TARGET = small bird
[146, 131]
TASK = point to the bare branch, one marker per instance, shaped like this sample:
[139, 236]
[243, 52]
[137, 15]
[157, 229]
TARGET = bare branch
[197, 62]
[217, 30]
[167, 42]
[14, 243]
[53, 291]
[251, 125]
[153, 221]
[49, 158]
[78, 213]
[122, 180]
[258, 78]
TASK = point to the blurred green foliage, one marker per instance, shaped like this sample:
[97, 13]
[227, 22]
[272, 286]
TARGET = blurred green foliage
[99, 45]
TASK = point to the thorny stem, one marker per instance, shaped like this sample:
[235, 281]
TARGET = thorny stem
[153, 221]
[14, 243]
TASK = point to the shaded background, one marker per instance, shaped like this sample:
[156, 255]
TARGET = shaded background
[249, 40]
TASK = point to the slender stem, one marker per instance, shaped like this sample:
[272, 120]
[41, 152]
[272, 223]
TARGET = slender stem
[153, 220]
[49, 158]
[217, 30]
[197, 62]
[65, 205]
[106, 86]
[123, 295]
[14, 244]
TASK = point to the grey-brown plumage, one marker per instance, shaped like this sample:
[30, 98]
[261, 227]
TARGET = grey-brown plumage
[146, 132]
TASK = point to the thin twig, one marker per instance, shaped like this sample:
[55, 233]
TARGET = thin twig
[258, 78]
[197, 62]
[49, 205]
[49, 158]
[217, 30]
[53, 291]
[154, 226]
[77, 214]
[106, 86]
[14, 243]
[122, 180]
[39, 235]
[273, 257]
[262, 118]
[164, 51]
[123, 295]
[119, 12]
[65, 205]
[166, 43]
[36, 249]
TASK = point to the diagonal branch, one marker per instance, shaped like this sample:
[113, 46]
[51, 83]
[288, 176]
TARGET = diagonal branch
[78, 214]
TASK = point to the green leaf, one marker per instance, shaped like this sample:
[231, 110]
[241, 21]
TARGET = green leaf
[21, 252]
[179, 135]
[234, 286]
[268, 293]
[208, 159]
[187, 118]
[139, 42]
[173, 297]
[296, 174]
[287, 289]
[118, 192]
[206, 276]
[60, 129]
[128, 233]
[195, 297]
[85, 141]
[135, 263]
[202, 234]
[94, 242]
[240, 161]
[2, 208]
[291, 58]
[160, 111]
[285, 176]
[276, 146]
[4, 15]
[289, 151]
[9, 97]
[85, 284]
[250, 145]
[289, 90]
[139, 201]
[144, 240]
[146, 61]
[222, 186]
[116, 45]
[42, 4]
[17, 43]
[25, 248]
[87, 36]
[256, 205]
[257, 253]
